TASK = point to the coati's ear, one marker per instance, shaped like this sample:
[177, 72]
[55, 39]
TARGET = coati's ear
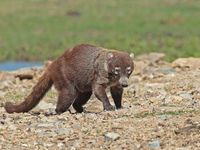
[110, 55]
[132, 55]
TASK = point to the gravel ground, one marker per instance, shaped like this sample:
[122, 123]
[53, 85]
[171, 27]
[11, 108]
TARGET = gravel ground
[161, 111]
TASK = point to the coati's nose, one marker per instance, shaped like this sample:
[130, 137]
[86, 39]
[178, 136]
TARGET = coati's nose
[124, 84]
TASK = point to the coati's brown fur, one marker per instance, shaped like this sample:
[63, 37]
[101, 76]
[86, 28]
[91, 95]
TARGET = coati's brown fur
[79, 72]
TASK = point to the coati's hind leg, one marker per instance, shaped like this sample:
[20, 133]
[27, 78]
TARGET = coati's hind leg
[81, 100]
[116, 92]
[66, 98]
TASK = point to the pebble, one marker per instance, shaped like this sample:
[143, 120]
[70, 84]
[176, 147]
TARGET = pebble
[46, 125]
[166, 71]
[164, 116]
[154, 145]
[185, 96]
[91, 116]
[182, 148]
[60, 145]
[12, 127]
[112, 136]
[63, 131]
[48, 144]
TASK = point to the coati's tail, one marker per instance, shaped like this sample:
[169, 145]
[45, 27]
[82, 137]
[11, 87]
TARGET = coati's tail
[34, 98]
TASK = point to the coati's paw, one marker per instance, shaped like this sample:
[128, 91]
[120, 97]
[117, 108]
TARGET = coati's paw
[79, 109]
[109, 108]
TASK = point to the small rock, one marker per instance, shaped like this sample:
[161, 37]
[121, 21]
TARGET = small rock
[46, 125]
[185, 95]
[164, 116]
[139, 67]
[192, 63]
[12, 127]
[61, 117]
[154, 145]
[112, 136]
[25, 145]
[152, 57]
[94, 106]
[60, 145]
[166, 71]
[48, 144]
[182, 148]
[63, 131]
[91, 115]
[2, 93]
[177, 99]
[168, 99]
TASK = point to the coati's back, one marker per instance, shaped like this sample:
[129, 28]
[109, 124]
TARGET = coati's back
[78, 63]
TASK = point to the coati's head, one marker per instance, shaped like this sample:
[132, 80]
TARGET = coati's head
[120, 67]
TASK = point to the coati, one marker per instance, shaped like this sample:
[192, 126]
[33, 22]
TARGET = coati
[78, 73]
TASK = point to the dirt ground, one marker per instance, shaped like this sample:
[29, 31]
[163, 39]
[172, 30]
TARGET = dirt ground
[160, 111]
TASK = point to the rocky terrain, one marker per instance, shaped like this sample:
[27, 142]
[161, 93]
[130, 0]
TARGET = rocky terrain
[161, 111]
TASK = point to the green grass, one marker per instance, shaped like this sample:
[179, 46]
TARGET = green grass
[36, 30]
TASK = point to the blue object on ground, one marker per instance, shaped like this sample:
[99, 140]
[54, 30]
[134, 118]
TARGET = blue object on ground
[12, 66]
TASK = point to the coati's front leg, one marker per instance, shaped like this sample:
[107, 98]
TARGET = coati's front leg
[81, 100]
[66, 98]
[116, 92]
[100, 93]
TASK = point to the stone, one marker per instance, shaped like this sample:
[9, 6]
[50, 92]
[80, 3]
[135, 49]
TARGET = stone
[48, 144]
[12, 127]
[63, 131]
[177, 98]
[185, 95]
[191, 63]
[91, 116]
[2, 93]
[152, 57]
[111, 136]
[46, 125]
[95, 106]
[164, 116]
[154, 145]
[166, 71]
[182, 148]
[60, 145]
[139, 67]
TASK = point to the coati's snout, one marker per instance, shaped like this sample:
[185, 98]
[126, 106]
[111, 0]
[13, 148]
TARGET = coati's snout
[123, 81]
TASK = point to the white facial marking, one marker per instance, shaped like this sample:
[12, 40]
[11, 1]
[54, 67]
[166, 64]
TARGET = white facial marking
[128, 70]
[117, 69]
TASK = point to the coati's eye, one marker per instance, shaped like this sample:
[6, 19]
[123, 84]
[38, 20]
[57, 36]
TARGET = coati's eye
[129, 70]
[117, 70]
